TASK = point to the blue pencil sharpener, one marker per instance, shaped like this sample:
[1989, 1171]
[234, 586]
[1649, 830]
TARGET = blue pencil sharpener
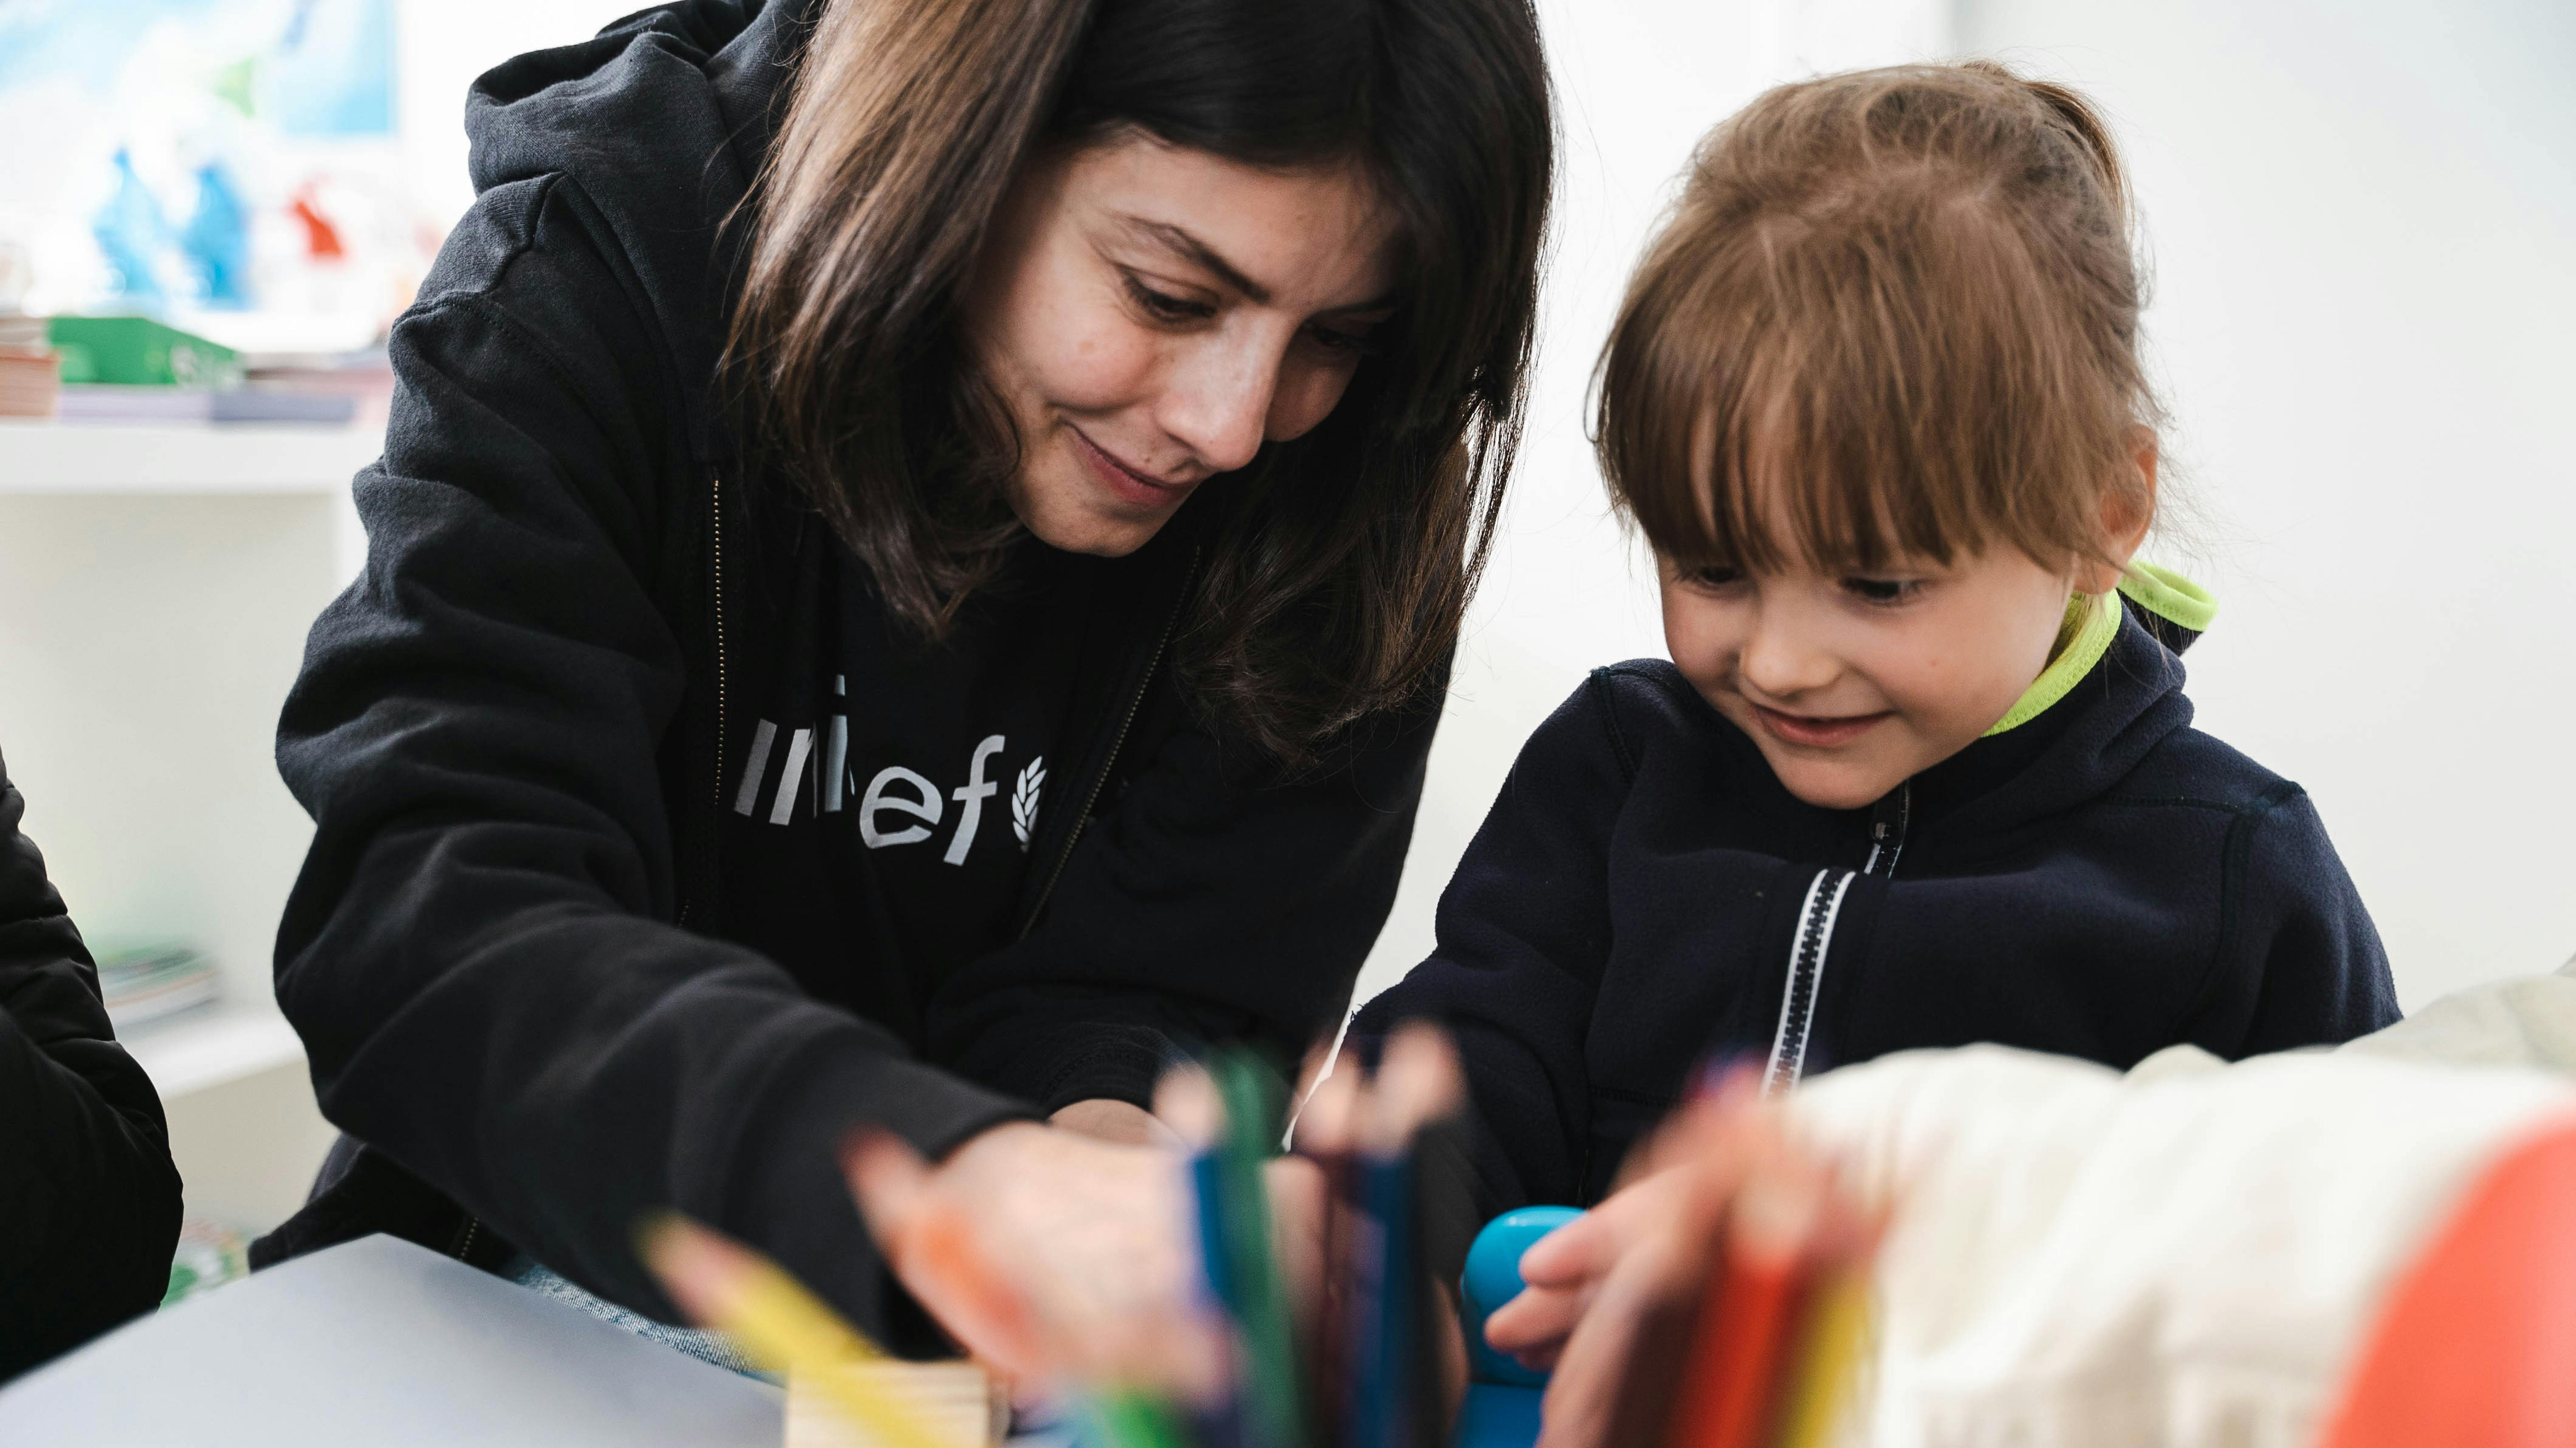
[1501, 1410]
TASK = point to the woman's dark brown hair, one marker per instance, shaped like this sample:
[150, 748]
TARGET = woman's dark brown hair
[1895, 310]
[1334, 585]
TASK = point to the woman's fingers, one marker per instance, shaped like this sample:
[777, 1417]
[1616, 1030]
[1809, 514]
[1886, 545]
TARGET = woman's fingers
[931, 1246]
[889, 1178]
[1299, 1208]
[701, 1270]
[1051, 1255]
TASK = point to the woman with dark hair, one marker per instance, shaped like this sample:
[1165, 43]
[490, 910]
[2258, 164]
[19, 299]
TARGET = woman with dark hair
[910, 581]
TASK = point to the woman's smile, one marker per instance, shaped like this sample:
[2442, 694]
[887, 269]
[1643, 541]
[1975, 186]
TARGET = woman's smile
[1131, 485]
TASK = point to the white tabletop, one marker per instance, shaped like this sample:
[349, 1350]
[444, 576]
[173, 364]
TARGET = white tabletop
[383, 1344]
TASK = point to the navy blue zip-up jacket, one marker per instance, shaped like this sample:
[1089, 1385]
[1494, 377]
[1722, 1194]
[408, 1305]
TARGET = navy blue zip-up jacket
[549, 968]
[2102, 881]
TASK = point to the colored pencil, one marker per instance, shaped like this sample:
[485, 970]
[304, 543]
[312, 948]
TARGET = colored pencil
[780, 1326]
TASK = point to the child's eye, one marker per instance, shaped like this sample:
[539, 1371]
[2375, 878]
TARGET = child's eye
[1715, 575]
[1882, 590]
[1164, 307]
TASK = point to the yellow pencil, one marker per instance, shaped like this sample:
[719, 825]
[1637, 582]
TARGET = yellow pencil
[782, 1327]
[1826, 1370]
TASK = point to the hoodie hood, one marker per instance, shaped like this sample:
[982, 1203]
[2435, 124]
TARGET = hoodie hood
[658, 124]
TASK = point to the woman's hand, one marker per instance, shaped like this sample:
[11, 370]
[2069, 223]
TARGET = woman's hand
[1050, 1255]
[1121, 1122]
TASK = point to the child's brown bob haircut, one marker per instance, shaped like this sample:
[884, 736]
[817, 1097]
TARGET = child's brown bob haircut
[1894, 313]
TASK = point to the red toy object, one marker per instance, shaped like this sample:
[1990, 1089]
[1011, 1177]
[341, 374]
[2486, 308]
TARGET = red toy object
[321, 239]
[2477, 1344]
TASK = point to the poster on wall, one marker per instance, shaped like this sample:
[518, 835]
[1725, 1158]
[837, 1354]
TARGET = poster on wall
[228, 166]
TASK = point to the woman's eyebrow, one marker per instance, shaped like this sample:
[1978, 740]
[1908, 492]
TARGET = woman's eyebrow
[1189, 248]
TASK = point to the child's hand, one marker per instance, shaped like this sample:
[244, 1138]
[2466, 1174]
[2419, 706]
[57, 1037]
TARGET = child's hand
[1565, 1269]
[1721, 1176]
[1659, 1185]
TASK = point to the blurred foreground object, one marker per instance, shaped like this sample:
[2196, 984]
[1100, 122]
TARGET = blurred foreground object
[881, 1403]
[2200, 1253]
[958, 1399]
[30, 369]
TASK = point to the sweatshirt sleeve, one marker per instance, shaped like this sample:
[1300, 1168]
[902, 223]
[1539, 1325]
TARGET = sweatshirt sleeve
[2309, 968]
[1213, 903]
[481, 953]
[89, 1202]
[1524, 933]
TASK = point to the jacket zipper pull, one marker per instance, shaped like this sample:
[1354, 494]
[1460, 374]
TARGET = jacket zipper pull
[1887, 823]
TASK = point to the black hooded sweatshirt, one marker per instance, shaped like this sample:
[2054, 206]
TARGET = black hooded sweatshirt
[89, 1202]
[2101, 881]
[589, 926]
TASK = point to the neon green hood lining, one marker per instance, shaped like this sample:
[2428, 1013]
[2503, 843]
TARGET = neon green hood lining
[2093, 620]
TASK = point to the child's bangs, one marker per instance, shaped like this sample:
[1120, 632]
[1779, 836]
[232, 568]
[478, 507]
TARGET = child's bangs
[1771, 435]
[1856, 386]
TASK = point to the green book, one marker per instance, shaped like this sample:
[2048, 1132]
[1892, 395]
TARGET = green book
[138, 351]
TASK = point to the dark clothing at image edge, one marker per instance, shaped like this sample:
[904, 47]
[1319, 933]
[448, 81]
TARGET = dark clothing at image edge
[2103, 881]
[570, 943]
[89, 1202]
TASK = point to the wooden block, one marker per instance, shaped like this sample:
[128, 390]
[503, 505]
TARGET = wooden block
[955, 1397]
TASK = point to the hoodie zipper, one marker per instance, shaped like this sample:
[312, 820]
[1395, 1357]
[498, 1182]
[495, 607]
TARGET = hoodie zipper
[1126, 722]
[715, 510]
[1814, 939]
[715, 786]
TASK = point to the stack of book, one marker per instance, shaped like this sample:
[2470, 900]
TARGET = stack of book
[360, 384]
[30, 374]
[137, 370]
[150, 982]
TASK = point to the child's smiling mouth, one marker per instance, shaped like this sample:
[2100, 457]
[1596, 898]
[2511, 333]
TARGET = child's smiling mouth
[1816, 733]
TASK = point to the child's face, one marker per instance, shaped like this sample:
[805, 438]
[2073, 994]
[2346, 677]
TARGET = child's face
[1853, 682]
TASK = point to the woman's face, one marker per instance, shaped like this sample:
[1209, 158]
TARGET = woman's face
[1152, 314]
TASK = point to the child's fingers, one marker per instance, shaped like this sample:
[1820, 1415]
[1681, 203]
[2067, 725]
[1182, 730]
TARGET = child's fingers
[1576, 1252]
[1534, 1324]
[1649, 1290]
[1591, 1244]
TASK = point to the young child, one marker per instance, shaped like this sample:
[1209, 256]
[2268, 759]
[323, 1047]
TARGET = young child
[1920, 771]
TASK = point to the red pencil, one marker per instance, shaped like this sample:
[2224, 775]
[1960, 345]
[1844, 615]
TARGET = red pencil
[1738, 1364]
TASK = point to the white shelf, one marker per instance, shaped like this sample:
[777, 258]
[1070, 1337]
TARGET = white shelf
[192, 1053]
[60, 457]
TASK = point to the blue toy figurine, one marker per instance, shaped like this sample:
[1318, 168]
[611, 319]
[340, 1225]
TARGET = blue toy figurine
[1501, 1410]
[130, 233]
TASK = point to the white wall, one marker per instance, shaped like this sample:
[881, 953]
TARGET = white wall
[145, 646]
[442, 45]
[2363, 220]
